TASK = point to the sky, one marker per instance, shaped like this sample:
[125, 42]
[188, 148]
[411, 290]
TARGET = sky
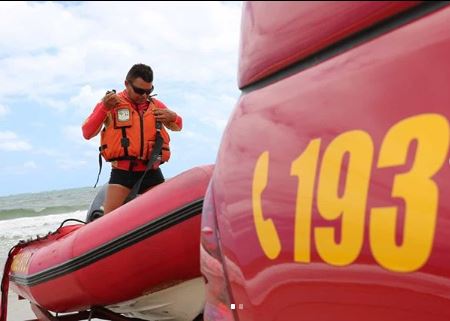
[57, 60]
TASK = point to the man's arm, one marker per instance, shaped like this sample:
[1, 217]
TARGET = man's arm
[169, 118]
[93, 124]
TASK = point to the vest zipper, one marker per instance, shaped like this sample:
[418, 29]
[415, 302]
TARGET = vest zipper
[141, 118]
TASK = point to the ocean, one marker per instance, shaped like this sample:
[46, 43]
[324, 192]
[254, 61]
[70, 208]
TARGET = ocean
[25, 216]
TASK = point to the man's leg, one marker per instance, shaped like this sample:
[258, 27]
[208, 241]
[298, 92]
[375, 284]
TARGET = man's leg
[115, 196]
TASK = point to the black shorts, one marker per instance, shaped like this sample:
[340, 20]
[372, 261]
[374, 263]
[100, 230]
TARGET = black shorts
[129, 178]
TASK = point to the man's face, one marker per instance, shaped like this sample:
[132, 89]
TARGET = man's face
[138, 90]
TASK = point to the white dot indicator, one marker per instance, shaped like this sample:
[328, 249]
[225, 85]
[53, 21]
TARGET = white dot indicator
[233, 306]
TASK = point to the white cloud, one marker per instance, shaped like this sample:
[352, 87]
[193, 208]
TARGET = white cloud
[197, 137]
[73, 134]
[37, 124]
[67, 164]
[3, 111]
[86, 99]
[18, 169]
[211, 110]
[91, 155]
[36, 25]
[46, 152]
[85, 152]
[9, 141]
[61, 48]
[30, 165]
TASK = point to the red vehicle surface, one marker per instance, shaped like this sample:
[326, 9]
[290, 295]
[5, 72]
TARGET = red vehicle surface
[329, 198]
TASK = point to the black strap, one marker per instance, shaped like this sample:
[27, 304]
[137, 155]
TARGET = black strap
[153, 158]
[125, 142]
[100, 167]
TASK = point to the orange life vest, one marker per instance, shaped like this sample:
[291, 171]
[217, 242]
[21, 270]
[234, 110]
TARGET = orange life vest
[128, 135]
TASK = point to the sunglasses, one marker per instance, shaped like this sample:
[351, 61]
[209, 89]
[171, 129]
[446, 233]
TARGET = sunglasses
[141, 91]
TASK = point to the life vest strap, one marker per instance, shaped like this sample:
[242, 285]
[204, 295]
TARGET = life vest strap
[156, 151]
[100, 163]
[125, 141]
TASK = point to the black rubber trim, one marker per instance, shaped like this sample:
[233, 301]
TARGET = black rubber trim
[114, 246]
[346, 44]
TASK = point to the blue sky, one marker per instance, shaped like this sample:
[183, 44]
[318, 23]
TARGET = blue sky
[57, 61]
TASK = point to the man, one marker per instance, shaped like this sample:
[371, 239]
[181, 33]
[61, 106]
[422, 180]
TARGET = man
[129, 121]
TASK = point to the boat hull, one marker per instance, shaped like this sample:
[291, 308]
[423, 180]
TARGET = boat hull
[145, 246]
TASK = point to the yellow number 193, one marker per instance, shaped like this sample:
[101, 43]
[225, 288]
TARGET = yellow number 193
[343, 190]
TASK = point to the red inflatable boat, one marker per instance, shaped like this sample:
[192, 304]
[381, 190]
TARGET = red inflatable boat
[140, 262]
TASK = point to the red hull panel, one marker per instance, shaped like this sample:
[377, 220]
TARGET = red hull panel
[269, 45]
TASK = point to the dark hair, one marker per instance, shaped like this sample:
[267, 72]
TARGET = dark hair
[140, 71]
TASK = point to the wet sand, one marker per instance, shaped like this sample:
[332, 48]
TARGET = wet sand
[19, 310]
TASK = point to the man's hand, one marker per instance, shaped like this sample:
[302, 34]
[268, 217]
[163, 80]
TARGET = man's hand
[111, 100]
[164, 115]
